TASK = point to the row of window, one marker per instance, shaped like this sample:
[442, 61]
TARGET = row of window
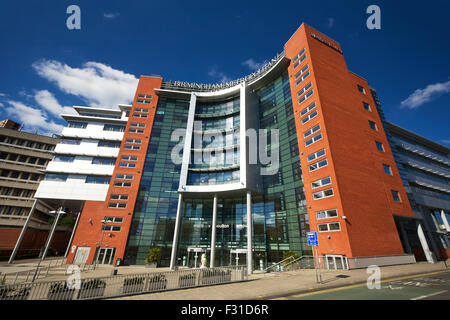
[298, 55]
[19, 175]
[106, 127]
[22, 158]
[26, 143]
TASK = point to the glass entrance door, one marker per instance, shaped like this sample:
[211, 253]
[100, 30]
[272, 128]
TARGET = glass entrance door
[238, 257]
[194, 257]
[336, 262]
[106, 255]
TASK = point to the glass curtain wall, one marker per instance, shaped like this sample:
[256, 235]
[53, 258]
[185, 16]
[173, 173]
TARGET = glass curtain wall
[156, 205]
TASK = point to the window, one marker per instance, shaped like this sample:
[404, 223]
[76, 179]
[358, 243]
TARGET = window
[113, 127]
[145, 96]
[76, 124]
[306, 96]
[307, 109]
[141, 110]
[139, 125]
[122, 184]
[111, 228]
[318, 165]
[109, 144]
[140, 115]
[302, 78]
[127, 165]
[98, 179]
[131, 147]
[327, 227]
[323, 194]
[117, 205]
[311, 131]
[298, 55]
[114, 219]
[129, 158]
[301, 72]
[56, 177]
[361, 89]
[132, 130]
[302, 58]
[61, 158]
[321, 183]
[143, 101]
[396, 196]
[104, 161]
[304, 89]
[373, 125]
[367, 106]
[380, 146]
[124, 176]
[313, 140]
[137, 141]
[118, 197]
[316, 155]
[309, 117]
[387, 169]
[70, 141]
[326, 214]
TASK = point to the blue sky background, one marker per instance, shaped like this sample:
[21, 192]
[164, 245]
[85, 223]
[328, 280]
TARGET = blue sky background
[46, 68]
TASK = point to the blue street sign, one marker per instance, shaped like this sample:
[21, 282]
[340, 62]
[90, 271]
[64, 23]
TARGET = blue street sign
[312, 239]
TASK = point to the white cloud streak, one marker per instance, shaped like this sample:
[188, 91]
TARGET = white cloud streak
[32, 117]
[95, 83]
[252, 64]
[222, 77]
[422, 96]
[110, 15]
[48, 101]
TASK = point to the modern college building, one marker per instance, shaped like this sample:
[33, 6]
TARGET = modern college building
[241, 171]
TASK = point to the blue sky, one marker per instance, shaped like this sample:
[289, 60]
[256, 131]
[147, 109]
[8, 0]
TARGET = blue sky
[46, 68]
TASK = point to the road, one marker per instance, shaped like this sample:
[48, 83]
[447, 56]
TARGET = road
[429, 286]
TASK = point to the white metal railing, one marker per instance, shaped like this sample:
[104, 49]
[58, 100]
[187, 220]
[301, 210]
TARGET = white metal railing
[121, 285]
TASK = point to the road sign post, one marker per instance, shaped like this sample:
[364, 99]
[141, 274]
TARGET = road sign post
[312, 240]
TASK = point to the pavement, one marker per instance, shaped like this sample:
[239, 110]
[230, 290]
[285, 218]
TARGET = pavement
[276, 285]
[286, 285]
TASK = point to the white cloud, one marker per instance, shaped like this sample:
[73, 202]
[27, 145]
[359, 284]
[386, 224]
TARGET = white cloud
[95, 83]
[32, 117]
[422, 96]
[218, 75]
[110, 15]
[48, 101]
[252, 64]
[330, 22]
[2, 94]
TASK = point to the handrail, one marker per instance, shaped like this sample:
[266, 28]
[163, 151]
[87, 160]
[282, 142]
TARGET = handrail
[290, 257]
[298, 259]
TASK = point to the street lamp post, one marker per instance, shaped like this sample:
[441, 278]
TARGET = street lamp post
[100, 245]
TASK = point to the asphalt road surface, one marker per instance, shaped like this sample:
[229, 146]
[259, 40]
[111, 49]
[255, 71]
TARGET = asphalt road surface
[431, 286]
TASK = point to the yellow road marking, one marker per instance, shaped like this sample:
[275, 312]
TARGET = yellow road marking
[359, 285]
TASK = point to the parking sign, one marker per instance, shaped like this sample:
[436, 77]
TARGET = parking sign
[312, 239]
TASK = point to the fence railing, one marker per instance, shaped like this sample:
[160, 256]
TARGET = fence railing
[38, 272]
[121, 285]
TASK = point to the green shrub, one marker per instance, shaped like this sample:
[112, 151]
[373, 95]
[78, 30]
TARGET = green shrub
[153, 255]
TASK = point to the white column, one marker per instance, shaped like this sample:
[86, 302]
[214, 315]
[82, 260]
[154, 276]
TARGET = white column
[173, 257]
[22, 233]
[249, 234]
[73, 233]
[213, 232]
[50, 236]
[444, 219]
[423, 242]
